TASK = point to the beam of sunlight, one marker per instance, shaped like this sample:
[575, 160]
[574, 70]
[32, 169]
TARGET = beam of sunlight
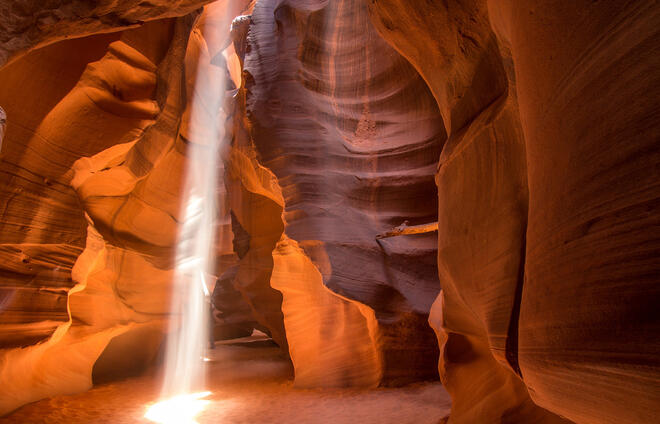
[183, 392]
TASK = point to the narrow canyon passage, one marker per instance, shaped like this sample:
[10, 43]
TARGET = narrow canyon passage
[375, 211]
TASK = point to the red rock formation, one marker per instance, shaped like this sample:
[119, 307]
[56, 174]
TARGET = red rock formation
[482, 194]
[233, 317]
[256, 203]
[132, 103]
[42, 225]
[114, 100]
[546, 201]
[3, 122]
[515, 272]
[588, 84]
[352, 135]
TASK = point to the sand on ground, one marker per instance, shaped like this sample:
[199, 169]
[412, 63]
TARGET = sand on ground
[250, 382]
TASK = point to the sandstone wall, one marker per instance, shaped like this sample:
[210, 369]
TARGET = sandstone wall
[538, 120]
[133, 94]
[42, 225]
[588, 87]
[547, 204]
[352, 136]
[131, 113]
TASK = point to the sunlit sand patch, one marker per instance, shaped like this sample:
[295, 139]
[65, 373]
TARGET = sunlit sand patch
[180, 409]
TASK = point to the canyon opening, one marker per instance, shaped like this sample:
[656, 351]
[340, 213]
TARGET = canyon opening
[330, 211]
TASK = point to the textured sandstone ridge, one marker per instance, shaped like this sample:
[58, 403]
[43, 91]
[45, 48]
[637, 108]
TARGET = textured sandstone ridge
[133, 105]
[136, 85]
[482, 197]
[42, 225]
[558, 288]
[352, 136]
[28, 24]
[256, 202]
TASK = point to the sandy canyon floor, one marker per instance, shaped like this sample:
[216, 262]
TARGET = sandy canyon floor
[251, 383]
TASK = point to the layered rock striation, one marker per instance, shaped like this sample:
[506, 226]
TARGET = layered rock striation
[43, 227]
[482, 198]
[351, 134]
[546, 192]
[589, 321]
[116, 99]
[132, 111]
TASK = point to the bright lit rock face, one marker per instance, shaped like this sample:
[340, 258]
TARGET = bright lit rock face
[67, 101]
[123, 131]
[129, 215]
[41, 211]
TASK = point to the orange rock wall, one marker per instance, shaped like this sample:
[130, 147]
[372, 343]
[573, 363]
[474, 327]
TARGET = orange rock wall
[352, 136]
[546, 192]
[482, 198]
[588, 87]
[131, 110]
[117, 102]
[42, 225]
[538, 120]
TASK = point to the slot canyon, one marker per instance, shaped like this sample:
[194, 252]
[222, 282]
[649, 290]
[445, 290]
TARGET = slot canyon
[330, 211]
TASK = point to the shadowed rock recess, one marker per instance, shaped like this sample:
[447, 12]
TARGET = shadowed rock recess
[509, 150]
[352, 136]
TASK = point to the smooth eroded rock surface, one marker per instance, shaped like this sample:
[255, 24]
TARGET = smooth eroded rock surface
[135, 104]
[482, 198]
[588, 88]
[525, 132]
[352, 135]
[118, 94]
[559, 281]
[43, 228]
